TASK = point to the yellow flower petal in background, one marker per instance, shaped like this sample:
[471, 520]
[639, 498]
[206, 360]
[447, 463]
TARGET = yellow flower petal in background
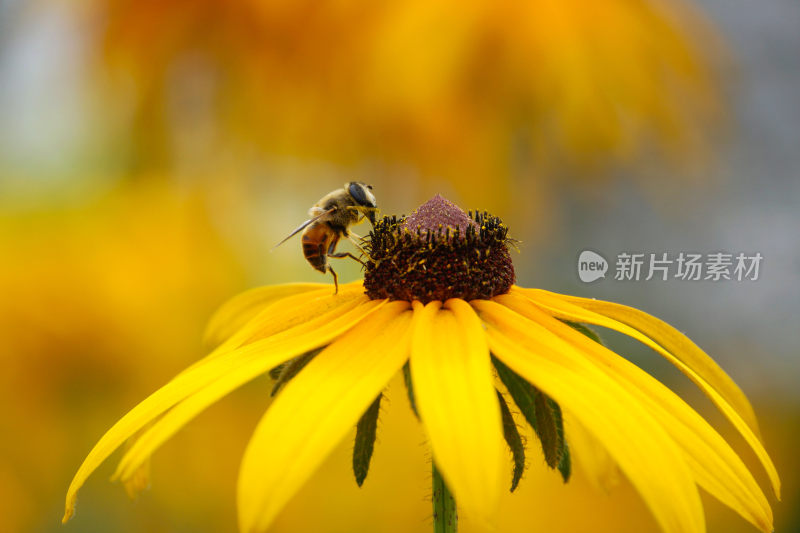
[716, 466]
[237, 311]
[638, 443]
[266, 352]
[455, 90]
[316, 410]
[457, 402]
[718, 386]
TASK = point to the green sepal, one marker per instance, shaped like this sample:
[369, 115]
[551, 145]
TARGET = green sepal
[565, 462]
[410, 388]
[586, 330]
[514, 441]
[366, 432]
[275, 372]
[543, 414]
[547, 431]
[445, 515]
[521, 391]
[291, 368]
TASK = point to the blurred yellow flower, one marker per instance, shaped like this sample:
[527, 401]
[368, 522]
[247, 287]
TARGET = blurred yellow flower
[81, 281]
[454, 90]
[440, 298]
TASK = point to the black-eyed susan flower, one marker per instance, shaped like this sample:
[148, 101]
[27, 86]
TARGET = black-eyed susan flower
[438, 303]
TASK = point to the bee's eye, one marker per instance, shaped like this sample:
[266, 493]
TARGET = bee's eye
[361, 195]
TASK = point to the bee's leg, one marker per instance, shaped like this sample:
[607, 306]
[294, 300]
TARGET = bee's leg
[363, 211]
[335, 280]
[341, 255]
[356, 240]
[357, 212]
[370, 213]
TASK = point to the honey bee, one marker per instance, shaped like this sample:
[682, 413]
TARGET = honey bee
[331, 218]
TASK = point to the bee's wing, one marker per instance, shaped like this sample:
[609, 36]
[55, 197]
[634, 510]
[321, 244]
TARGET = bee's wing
[316, 210]
[304, 225]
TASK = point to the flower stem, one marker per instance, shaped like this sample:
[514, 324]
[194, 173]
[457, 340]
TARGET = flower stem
[445, 518]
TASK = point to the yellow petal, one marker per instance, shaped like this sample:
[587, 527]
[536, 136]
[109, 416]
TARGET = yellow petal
[663, 334]
[316, 410]
[237, 311]
[589, 453]
[716, 467]
[290, 312]
[281, 347]
[676, 348]
[139, 481]
[647, 455]
[322, 329]
[457, 402]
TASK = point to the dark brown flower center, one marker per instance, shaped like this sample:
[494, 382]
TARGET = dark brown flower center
[438, 252]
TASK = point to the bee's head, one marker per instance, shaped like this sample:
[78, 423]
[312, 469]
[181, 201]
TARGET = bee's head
[362, 194]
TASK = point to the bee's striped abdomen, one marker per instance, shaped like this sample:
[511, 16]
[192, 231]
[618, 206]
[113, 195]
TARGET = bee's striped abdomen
[315, 243]
[314, 254]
